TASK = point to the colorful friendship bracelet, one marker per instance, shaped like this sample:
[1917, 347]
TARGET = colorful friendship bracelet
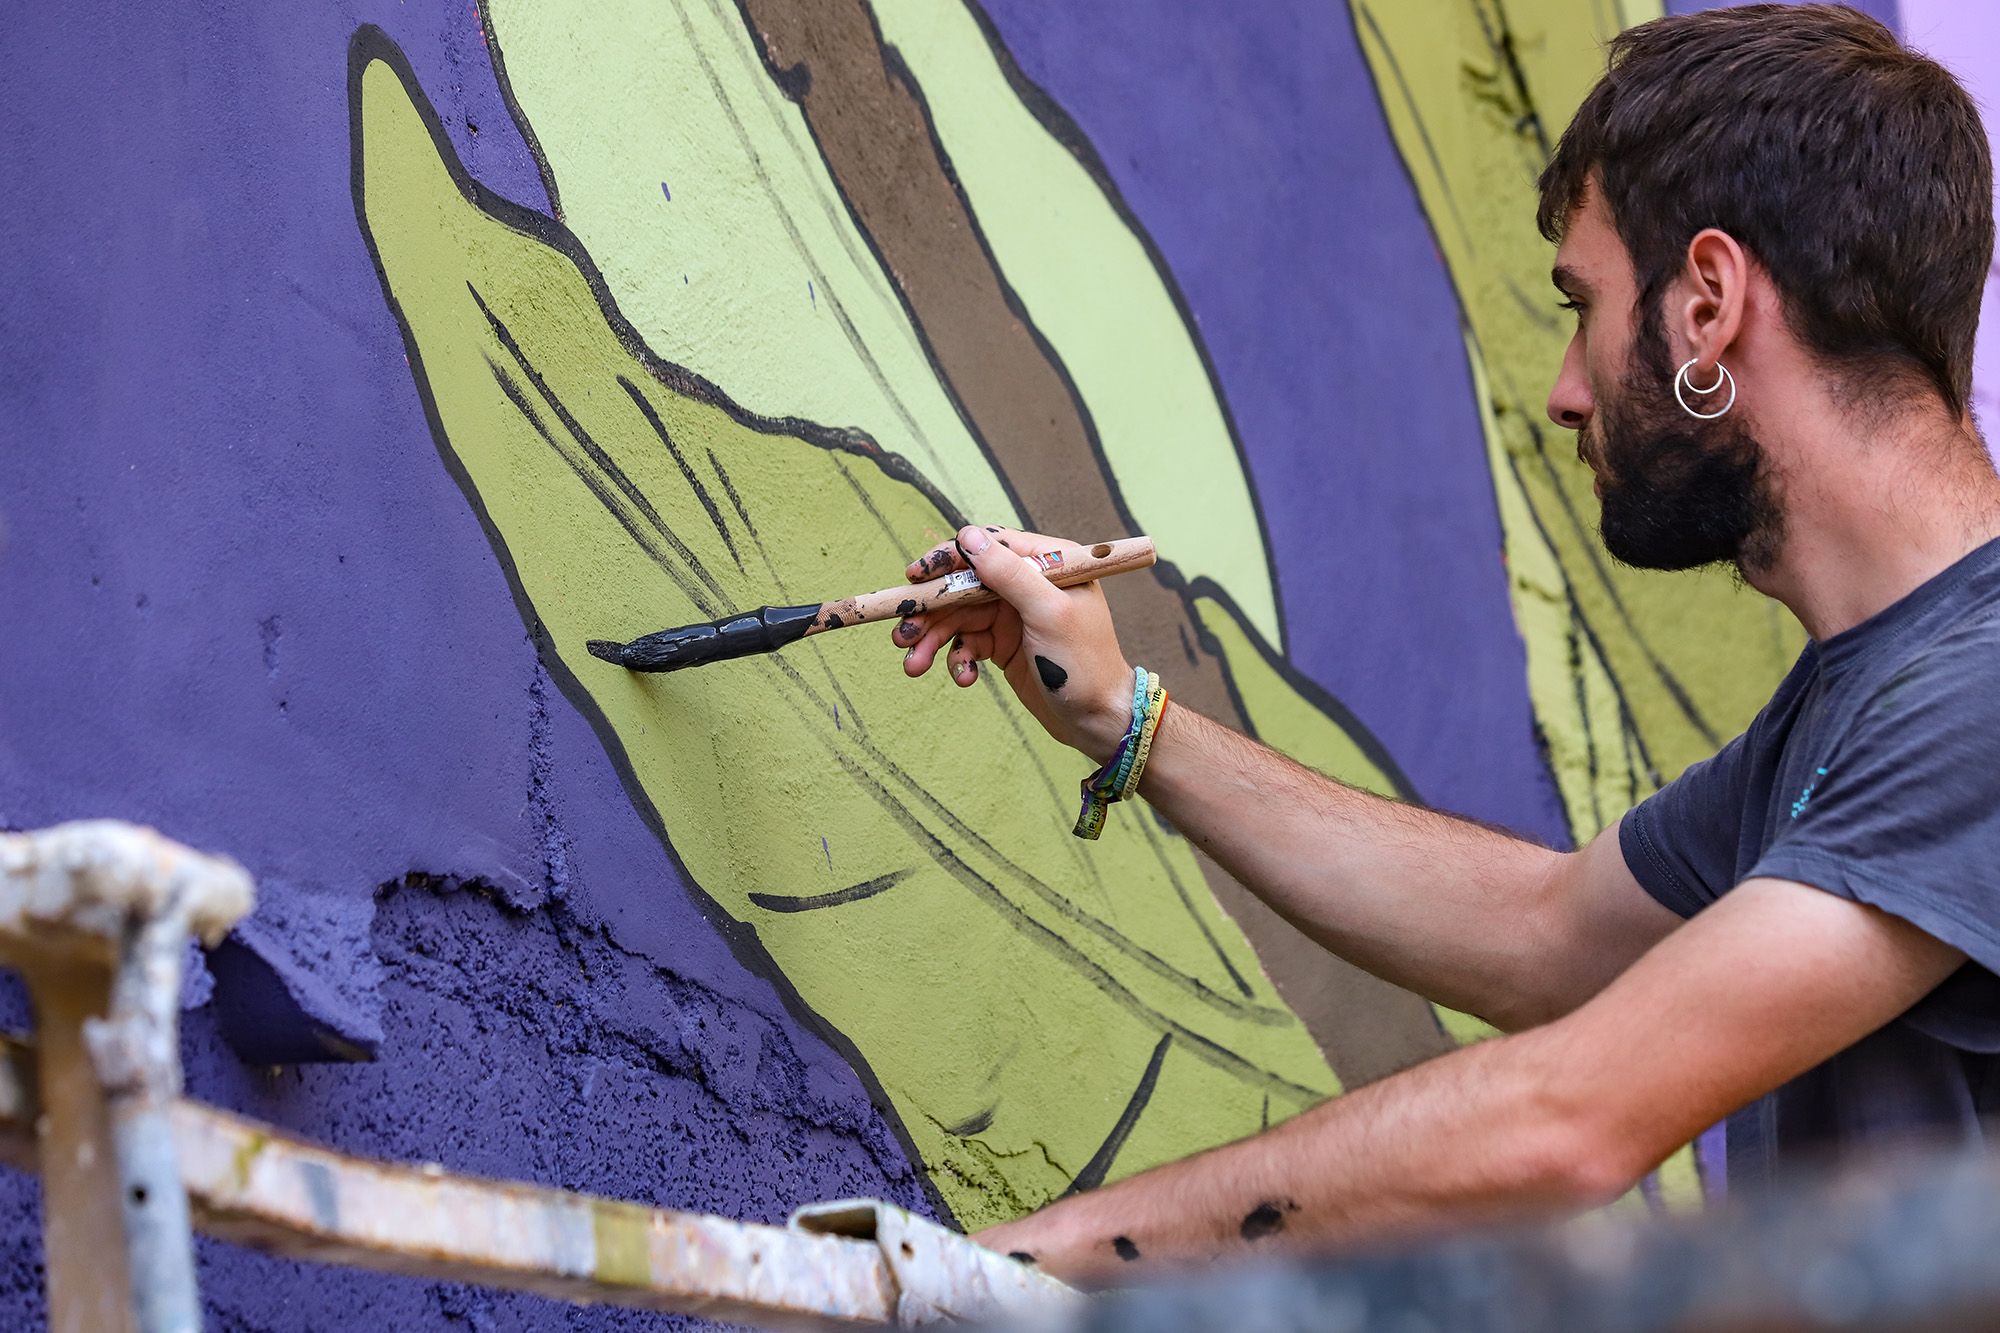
[1119, 778]
[1155, 710]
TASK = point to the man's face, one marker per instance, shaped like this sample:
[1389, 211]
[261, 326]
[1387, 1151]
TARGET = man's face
[1676, 492]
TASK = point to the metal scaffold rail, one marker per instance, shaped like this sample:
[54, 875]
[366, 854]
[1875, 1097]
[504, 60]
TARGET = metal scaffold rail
[95, 916]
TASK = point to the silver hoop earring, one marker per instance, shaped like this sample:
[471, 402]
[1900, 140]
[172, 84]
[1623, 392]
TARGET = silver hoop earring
[1683, 387]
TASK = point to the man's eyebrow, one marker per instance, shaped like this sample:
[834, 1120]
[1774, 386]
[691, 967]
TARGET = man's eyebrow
[1568, 281]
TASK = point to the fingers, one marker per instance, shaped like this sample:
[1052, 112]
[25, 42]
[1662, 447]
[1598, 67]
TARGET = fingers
[952, 620]
[1003, 566]
[967, 651]
[949, 557]
[939, 560]
[917, 658]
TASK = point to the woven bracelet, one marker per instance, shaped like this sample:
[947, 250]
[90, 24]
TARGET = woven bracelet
[1119, 778]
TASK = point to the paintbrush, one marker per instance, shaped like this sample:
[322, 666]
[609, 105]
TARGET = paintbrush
[747, 633]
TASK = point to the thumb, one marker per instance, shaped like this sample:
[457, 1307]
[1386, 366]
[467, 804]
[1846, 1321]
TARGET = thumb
[1017, 579]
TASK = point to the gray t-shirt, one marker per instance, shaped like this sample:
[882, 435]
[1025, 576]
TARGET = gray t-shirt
[1873, 774]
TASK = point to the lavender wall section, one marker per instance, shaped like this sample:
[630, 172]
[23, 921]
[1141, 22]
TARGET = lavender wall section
[244, 603]
[1966, 38]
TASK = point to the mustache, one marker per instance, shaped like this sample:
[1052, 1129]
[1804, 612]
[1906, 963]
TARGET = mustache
[1589, 449]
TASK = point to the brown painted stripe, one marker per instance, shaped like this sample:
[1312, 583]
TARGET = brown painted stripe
[868, 119]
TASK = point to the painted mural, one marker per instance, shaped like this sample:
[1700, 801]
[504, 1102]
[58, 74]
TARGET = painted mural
[817, 321]
[369, 400]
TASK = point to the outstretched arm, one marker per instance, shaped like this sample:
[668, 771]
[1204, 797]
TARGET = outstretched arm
[1469, 916]
[1773, 979]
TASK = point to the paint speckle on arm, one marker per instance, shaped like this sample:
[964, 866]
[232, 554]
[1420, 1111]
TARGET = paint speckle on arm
[1124, 1248]
[1266, 1219]
[1021, 1257]
[1052, 674]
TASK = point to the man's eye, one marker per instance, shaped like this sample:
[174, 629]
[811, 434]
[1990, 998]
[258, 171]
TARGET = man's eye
[1576, 306]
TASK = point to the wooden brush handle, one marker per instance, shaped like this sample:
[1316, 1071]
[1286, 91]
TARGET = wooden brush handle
[1085, 565]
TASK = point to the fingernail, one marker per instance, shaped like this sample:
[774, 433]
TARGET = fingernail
[907, 631]
[910, 654]
[973, 541]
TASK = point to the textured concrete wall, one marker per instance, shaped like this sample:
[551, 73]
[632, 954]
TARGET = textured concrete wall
[369, 359]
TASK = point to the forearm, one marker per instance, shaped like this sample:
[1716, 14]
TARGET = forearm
[1480, 1133]
[1455, 911]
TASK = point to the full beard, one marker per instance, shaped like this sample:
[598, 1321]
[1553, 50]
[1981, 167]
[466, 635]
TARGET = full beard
[1679, 493]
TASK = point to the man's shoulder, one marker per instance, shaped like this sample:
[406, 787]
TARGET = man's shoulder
[1945, 686]
[1955, 644]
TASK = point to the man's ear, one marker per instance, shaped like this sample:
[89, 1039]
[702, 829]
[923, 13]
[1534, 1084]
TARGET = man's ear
[1718, 286]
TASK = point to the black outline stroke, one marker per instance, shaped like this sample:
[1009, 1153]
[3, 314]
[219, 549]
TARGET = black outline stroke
[853, 893]
[1099, 1165]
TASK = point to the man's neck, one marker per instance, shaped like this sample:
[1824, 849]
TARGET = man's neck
[1872, 513]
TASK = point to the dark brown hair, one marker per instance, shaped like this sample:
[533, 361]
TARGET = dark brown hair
[1855, 171]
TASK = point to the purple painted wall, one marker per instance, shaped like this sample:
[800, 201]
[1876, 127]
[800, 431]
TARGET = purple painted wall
[1967, 39]
[246, 605]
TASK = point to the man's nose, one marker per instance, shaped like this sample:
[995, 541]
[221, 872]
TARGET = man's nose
[1570, 403]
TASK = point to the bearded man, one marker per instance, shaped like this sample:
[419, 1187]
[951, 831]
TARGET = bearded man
[1774, 223]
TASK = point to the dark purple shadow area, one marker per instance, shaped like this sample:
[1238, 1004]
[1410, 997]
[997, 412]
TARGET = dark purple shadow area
[244, 602]
[1249, 143]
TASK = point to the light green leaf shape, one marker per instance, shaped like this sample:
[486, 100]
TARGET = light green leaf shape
[1090, 287]
[1633, 675]
[1008, 985]
[752, 275]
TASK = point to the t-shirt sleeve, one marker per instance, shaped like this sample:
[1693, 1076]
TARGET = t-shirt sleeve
[1680, 842]
[1904, 815]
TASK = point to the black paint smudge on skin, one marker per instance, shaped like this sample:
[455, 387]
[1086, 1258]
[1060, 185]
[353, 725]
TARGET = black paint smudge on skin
[907, 607]
[761, 631]
[1125, 1248]
[1053, 676]
[1022, 1257]
[1266, 1219]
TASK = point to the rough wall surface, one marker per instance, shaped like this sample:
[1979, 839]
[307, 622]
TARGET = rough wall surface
[369, 357]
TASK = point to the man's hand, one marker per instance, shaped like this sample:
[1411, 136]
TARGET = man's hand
[1055, 645]
[1770, 981]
